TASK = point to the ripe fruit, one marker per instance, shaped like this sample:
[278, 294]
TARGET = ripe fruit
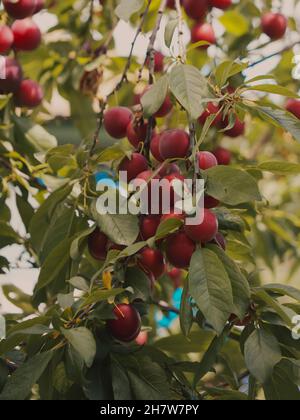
[210, 202]
[274, 25]
[20, 9]
[116, 121]
[203, 32]
[206, 160]
[196, 9]
[13, 76]
[154, 148]
[29, 94]
[179, 250]
[165, 109]
[127, 326]
[220, 4]
[136, 133]
[169, 169]
[223, 156]
[174, 144]
[237, 130]
[97, 244]
[210, 110]
[40, 4]
[158, 62]
[168, 191]
[149, 226]
[6, 39]
[142, 338]
[134, 166]
[205, 231]
[176, 276]
[27, 35]
[152, 261]
[293, 106]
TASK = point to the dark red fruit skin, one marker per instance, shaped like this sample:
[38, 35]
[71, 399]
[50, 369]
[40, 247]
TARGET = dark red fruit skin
[152, 261]
[224, 156]
[174, 144]
[179, 250]
[13, 76]
[203, 32]
[210, 202]
[6, 39]
[220, 4]
[149, 226]
[134, 166]
[274, 25]
[158, 62]
[116, 121]
[27, 35]
[293, 106]
[165, 109]
[206, 160]
[176, 275]
[127, 326]
[168, 189]
[148, 177]
[154, 148]
[136, 133]
[171, 4]
[29, 95]
[97, 244]
[210, 110]
[142, 338]
[196, 9]
[40, 4]
[205, 231]
[169, 169]
[20, 10]
[237, 130]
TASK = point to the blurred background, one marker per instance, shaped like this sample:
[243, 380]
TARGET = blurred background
[275, 231]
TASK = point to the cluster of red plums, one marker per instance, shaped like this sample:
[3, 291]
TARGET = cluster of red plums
[272, 24]
[23, 35]
[177, 249]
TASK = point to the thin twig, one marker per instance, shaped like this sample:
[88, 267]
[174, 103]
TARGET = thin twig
[182, 54]
[267, 57]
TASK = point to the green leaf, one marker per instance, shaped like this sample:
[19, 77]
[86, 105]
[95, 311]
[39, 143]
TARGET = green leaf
[33, 136]
[235, 23]
[281, 118]
[284, 383]
[170, 30]
[210, 356]
[82, 340]
[226, 394]
[79, 283]
[54, 264]
[153, 99]
[139, 282]
[226, 70]
[211, 289]
[231, 186]
[2, 327]
[262, 353]
[120, 382]
[283, 312]
[122, 229]
[280, 168]
[100, 295]
[167, 227]
[186, 310]
[190, 88]
[239, 283]
[127, 8]
[275, 89]
[19, 385]
[198, 342]
[284, 290]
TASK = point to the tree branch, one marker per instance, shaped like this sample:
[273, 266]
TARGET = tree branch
[268, 57]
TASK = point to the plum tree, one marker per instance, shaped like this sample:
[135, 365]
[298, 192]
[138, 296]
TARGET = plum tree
[220, 4]
[222, 155]
[20, 9]
[29, 94]
[206, 160]
[116, 121]
[196, 9]
[203, 32]
[180, 249]
[274, 25]
[149, 226]
[204, 231]
[6, 39]
[97, 244]
[152, 261]
[174, 144]
[13, 76]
